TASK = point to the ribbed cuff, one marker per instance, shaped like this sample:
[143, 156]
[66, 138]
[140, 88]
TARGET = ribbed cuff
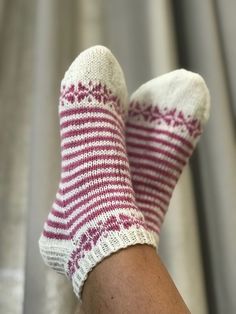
[114, 242]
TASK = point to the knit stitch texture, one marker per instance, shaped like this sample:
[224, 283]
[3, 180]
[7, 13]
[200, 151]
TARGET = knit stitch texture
[94, 213]
[165, 120]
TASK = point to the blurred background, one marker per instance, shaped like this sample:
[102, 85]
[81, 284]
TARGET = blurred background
[38, 41]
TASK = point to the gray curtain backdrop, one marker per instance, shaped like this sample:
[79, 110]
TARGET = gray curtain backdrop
[38, 41]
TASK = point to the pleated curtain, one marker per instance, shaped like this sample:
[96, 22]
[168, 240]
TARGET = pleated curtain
[38, 41]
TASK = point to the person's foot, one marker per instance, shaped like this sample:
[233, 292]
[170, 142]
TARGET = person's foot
[165, 120]
[94, 213]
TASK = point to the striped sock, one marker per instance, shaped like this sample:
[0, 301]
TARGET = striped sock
[94, 213]
[165, 120]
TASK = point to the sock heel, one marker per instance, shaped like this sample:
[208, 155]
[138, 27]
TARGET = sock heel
[56, 254]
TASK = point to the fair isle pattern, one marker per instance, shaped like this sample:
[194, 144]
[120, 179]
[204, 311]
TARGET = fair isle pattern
[92, 145]
[89, 240]
[91, 91]
[94, 213]
[159, 142]
[152, 113]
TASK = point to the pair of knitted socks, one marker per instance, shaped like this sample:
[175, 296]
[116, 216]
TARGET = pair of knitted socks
[119, 165]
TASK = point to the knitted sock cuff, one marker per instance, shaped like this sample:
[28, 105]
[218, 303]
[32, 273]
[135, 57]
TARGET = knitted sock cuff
[107, 245]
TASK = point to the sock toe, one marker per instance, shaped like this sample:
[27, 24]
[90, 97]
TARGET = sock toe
[165, 122]
[98, 65]
[180, 89]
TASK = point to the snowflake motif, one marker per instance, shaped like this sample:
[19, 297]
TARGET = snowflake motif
[171, 117]
[89, 239]
[92, 91]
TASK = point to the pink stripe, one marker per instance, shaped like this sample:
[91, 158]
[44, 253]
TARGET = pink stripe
[79, 121]
[97, 147]
[155, 159]
[56, 224]
[59, 203]
[90, 209]
[153, 195]
[99, 186]
[152, 212]
[95, 204]
[58, 236]
[152, 228]
[57, 213]
[157, 140]
[77, 193]
[93, 216]
[159, 131]
[81, 172]
[142, 200]
[90, 198]
[98, 139]
[86, 131]
[177, 137]
[154, 187]
[83, 181]
[93, 159]
[84, 193]
[150, 148]
[151, 220]
[90, 110]
[141, 165]
[150, 177]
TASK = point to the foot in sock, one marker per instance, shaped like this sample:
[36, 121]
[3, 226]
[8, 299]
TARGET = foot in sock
[165, 120]
[94, 213]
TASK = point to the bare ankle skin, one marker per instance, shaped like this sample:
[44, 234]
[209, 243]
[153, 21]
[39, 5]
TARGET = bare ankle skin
[132, 281]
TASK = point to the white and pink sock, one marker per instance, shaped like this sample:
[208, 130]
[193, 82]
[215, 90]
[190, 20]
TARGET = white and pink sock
[165, 120]
[95, 212]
